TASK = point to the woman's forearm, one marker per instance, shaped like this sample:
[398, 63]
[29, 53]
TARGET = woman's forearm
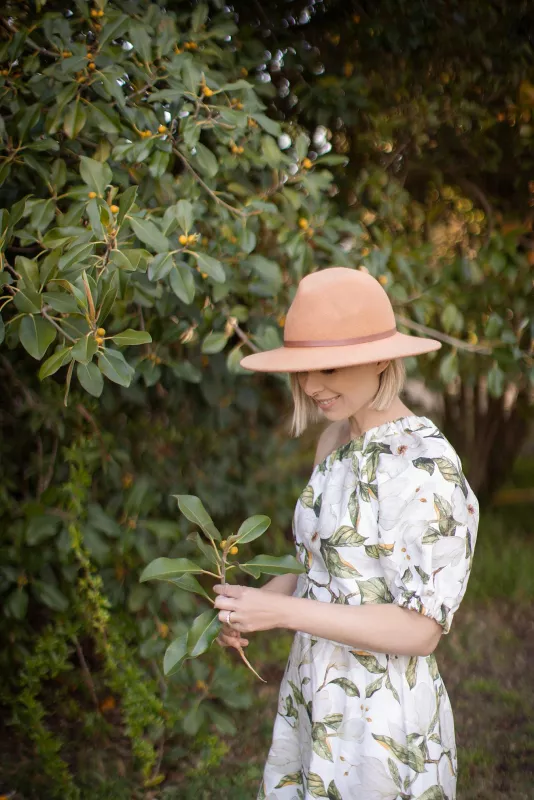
[281, 584]
[380, 628]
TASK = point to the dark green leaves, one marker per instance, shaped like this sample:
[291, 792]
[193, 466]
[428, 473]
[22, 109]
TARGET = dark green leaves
[36, 335]
[162, 569]
[193, 508]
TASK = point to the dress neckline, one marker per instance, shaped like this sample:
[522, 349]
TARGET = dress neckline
[385, 425]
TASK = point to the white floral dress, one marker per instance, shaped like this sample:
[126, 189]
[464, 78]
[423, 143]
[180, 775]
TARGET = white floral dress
[386, 518]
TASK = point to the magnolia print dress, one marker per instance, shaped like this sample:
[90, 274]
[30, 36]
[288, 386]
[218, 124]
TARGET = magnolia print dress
[386, 518]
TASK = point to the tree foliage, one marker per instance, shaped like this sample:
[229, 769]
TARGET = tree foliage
[168, 174]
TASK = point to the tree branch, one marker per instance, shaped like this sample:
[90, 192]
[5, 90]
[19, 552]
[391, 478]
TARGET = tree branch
[443, 337]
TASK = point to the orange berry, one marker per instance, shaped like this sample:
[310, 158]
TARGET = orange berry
[163, 629]
[306, 163]
[182, 238]
[303, 223]
[244, 72]
[383, 279]
[204, 275]
[234, 550]
[66, 54]
[178, 50]
[114, 209]
[108, 704]
[147, 133]
[91, 66]
[100, 13]
[162, 129]
[91, 195]
[99, 340]
[100, 331]
[207, 91]
[94, 12]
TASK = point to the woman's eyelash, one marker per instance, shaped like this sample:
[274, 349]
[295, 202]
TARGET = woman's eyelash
[328, 371]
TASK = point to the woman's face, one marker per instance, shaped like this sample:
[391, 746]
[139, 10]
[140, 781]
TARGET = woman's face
[343, 392]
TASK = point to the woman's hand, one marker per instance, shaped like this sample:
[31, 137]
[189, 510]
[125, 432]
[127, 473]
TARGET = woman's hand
[228, 637]
[253, 609]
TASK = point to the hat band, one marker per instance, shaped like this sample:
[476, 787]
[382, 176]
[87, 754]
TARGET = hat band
[374, 337]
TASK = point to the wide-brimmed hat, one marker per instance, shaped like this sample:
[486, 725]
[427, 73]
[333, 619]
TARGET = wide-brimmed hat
[339, 317]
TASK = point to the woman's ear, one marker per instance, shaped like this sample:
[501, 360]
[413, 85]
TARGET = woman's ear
[381, 366]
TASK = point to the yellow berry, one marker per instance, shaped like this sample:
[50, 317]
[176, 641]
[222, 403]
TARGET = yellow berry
[303, 223]
[91, 66]
[100, 13]
[204, 275]
[191, 239]
[182, 238]
[234, 550]
[207, 91]
[100, 331]
[306, 163]
[97, 27]
[94, 12]
[383, 279]
[91, 195]
[252, 123]
[244, 72]
[114, 209]
[99, 340]
[191, 45]
[66, 54]
[163, 629]
[309, 232]
[178, 50]
[162, 129]
[147, 133]
[222, 544]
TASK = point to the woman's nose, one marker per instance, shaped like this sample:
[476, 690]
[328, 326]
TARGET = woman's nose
[311, 383]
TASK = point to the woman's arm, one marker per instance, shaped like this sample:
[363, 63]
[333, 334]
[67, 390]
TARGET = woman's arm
[382, 628]
[281, 584]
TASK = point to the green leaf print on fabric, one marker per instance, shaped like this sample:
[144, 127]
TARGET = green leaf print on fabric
[422, 574]
[377, 550]
[368, 661]
[368, 491]
[433, 793]
[411, 756]
[307, 497]
[317, 505]
[346, 537]
[316, 785]
[430, 536]
[320, 743]
[354, 508]
[333, 792]
[451, 473]
[411, 671]
[294, 779]
[395, 774]
[374, 686]
[375, 590]
[407, 575]
[348, 686]
[299, 697]
[334, 720]
[425, 463]
[392, 689]
[336, 565]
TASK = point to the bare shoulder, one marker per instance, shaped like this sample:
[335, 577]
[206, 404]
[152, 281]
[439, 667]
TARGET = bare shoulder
[330, 439]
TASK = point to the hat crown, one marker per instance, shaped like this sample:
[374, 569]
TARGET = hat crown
[338, 303]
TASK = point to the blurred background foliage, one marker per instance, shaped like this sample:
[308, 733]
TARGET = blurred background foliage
[169, 171]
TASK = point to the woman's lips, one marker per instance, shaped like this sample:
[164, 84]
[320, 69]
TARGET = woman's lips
[327, 404]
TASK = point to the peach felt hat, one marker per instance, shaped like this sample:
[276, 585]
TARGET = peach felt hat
[339, 317]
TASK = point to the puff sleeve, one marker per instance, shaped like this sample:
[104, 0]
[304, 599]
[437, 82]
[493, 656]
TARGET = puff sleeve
[428, 512]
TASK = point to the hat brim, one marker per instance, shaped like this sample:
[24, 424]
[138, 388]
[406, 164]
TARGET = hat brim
[306, 359]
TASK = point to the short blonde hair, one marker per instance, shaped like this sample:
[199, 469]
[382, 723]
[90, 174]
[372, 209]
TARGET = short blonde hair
[305, 411]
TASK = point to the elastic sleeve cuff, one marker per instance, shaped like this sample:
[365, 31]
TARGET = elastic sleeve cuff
[427, 605]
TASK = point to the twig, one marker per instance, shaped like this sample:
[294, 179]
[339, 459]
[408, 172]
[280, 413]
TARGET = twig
[207, 188]
[243, 336]
[86, 672]
[47, 316]
[33, 44]
[443, 337]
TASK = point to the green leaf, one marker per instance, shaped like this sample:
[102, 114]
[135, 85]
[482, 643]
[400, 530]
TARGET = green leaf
[448, 369]
[121, 260]
[375, 590]
[409, 755]
[61, 302]
[16, 605]
[184, 215]
[193, 509]
[206, 160]
[147, 232]
[211, 266]
[214, 342]
[75, 254]
[252, 528]
[175, 655]
[163, 569]
[367, 660]
[74, 120]
[182, 283]
[160, 266]
[36, 335]
[96, 174]
[113, 365]
[90, 378]
[27, 300]
[424, 463]
[113, 29]
[268, 124]
[495, 380]
[272, 565]
[131, 337]
[348, 686]
[50, 595]
[271, 152]
[189, 584]
[55, 362]
[202, 633]
[185, 371]
[126, 201]
[84, 349]
[316, 785]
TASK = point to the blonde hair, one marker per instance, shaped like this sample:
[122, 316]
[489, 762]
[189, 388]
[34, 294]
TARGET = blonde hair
[305, 411]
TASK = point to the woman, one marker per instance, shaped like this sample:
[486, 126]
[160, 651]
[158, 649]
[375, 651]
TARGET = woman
[385, 529]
